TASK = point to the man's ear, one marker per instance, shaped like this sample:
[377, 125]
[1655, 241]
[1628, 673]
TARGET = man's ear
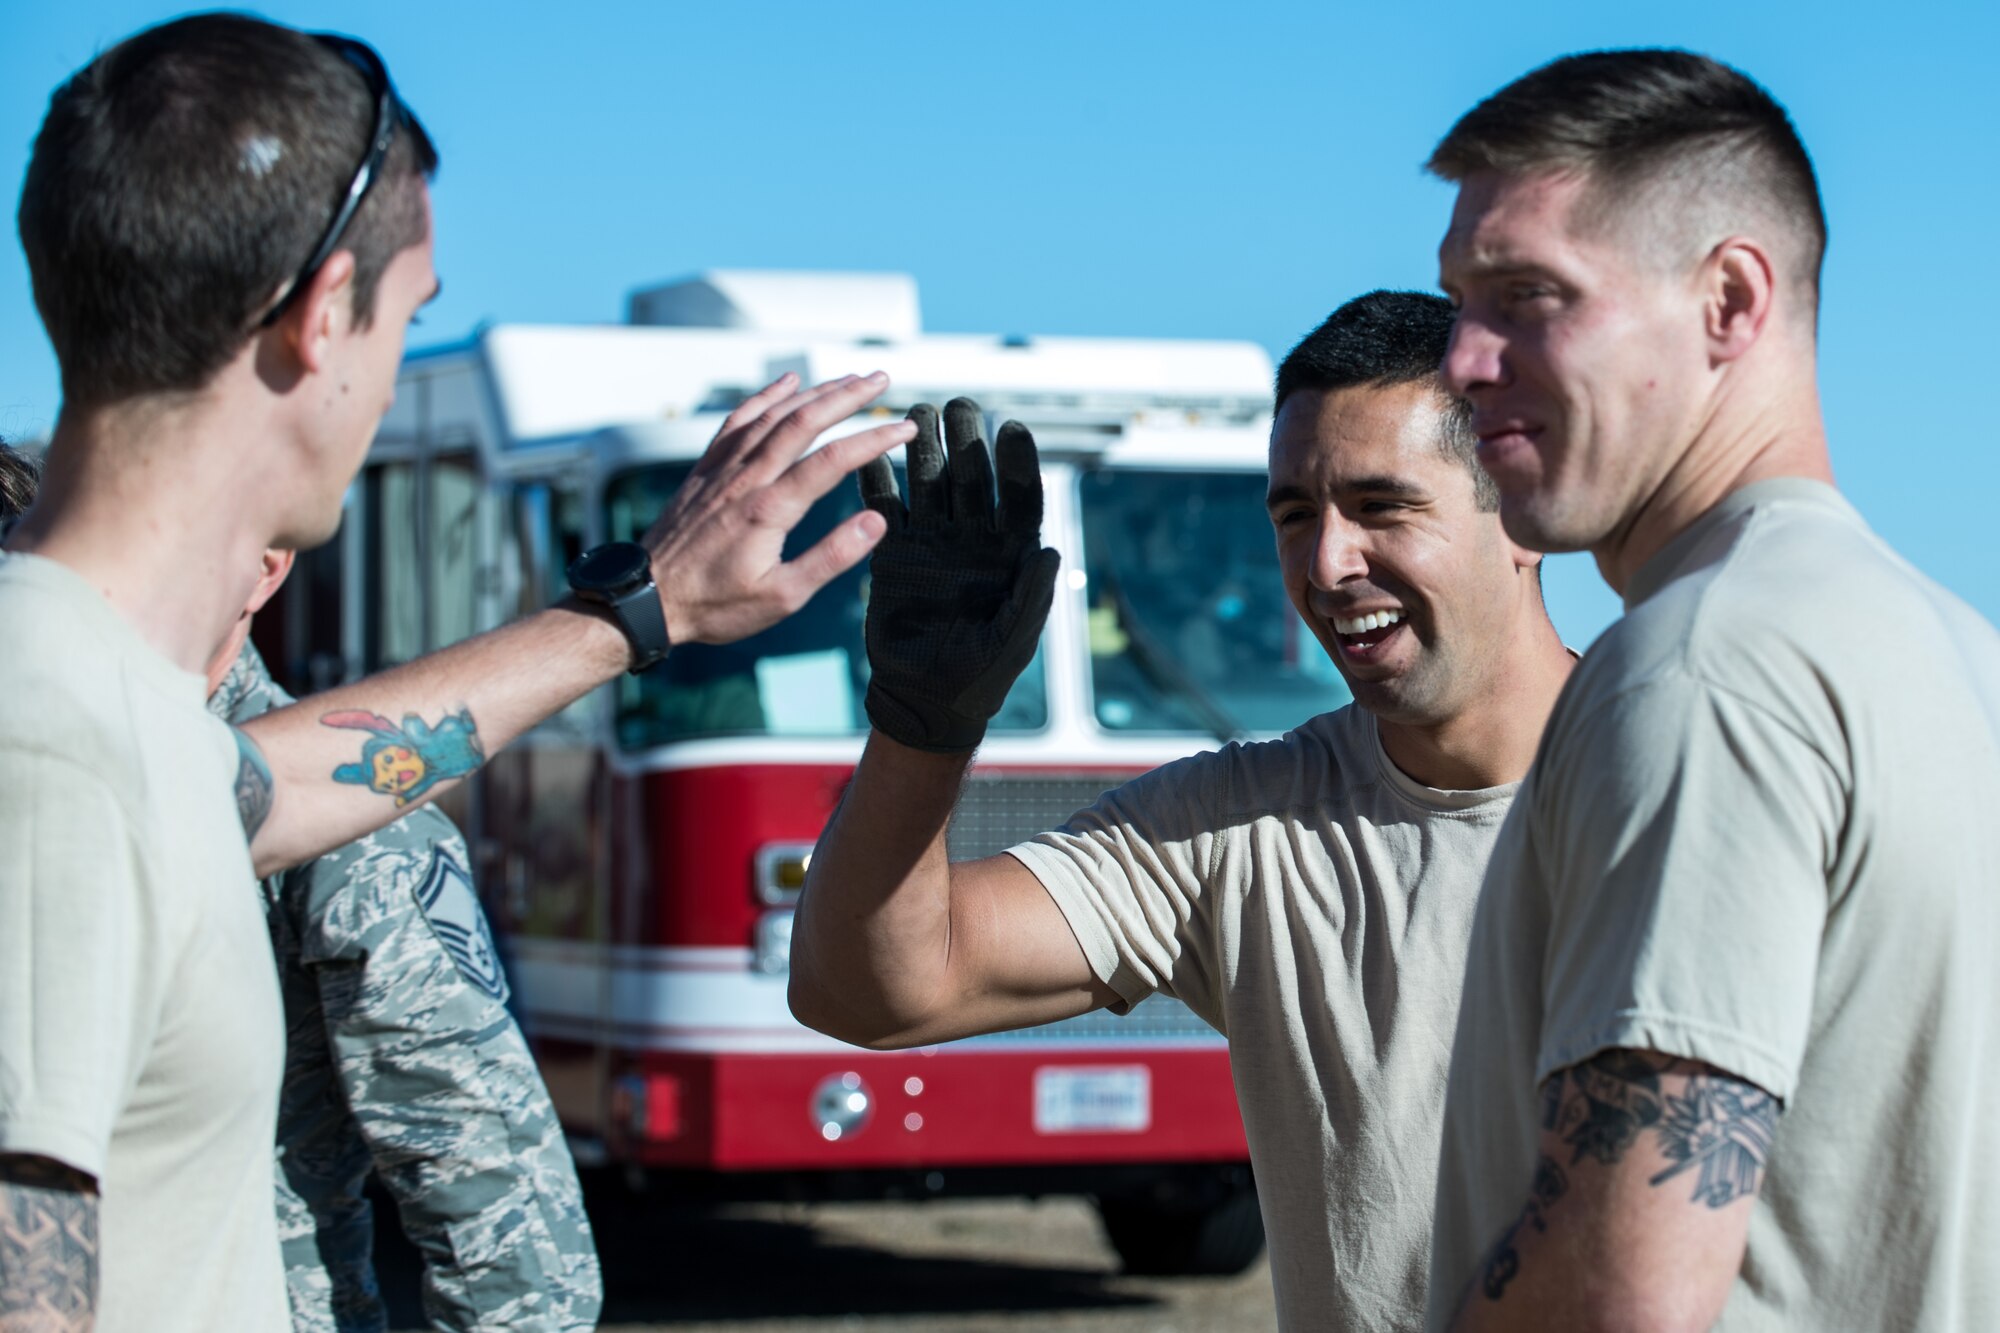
[1523, 557]
[277, 566]
[1739, 284]
[324, 310]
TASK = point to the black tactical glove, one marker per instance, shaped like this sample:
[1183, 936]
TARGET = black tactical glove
[960, 587]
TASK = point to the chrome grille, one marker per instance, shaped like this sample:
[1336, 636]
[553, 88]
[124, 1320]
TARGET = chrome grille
[998, 811]
[1156, 1018]
[995, 812]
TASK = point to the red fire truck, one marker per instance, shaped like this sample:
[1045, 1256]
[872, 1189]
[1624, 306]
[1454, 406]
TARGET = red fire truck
[640, 854]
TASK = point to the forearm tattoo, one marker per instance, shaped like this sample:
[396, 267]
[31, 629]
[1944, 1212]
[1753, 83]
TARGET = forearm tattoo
[48, 1247]
[407, 761]
[253, 784]
[1503, 1261]
[1708, 1123]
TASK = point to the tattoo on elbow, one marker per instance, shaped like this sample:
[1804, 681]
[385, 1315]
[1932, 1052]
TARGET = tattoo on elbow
[1708, 1123]
[48, 1246]
[406, 761]
[253, 785]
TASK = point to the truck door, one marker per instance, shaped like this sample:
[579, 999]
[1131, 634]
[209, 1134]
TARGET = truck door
[544, 846]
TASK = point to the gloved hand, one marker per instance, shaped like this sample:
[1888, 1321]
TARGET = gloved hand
[960, 588]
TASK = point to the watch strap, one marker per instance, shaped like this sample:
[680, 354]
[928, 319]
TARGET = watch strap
[638, 613]
[618, 576]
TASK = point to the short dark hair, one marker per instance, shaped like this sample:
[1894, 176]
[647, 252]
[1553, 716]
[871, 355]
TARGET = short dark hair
[181, 178]
[1384, 339]
[1629, 120]
[19, 480]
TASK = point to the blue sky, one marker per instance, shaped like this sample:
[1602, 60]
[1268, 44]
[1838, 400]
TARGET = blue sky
[1139, 169]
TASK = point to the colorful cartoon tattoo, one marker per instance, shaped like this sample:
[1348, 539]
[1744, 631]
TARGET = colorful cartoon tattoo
[407, 761]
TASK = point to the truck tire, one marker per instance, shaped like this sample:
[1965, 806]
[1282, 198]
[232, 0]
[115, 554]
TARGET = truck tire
[1218, 1238]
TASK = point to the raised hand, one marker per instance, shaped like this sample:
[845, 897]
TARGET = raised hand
[718, 548]
[960, 585]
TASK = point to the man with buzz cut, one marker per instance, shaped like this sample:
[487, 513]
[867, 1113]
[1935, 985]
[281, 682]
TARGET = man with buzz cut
[227, 225]
[1727, 1052]
[1309, 896]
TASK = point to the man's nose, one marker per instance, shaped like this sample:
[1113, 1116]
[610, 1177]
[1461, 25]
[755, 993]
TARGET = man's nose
[1473, 358]
[1339, 553]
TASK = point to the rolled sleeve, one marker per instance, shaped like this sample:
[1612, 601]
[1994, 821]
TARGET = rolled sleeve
[1129, 874]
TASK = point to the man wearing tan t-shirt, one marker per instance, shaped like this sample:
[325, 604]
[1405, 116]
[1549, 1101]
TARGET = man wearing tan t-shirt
[1310, 896]
[1727, 1053]
[227, 225]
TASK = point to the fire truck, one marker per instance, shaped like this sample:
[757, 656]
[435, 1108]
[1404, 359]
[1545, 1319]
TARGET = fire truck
[640, 854]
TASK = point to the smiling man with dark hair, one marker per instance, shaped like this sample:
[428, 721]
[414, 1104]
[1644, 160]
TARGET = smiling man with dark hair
[1308, 896]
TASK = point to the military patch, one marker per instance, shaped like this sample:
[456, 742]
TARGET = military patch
[453, 910]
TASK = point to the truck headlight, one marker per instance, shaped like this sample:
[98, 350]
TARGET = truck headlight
[840, 1106]
[780, 872]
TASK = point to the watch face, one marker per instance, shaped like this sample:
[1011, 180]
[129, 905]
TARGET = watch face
[612, 567]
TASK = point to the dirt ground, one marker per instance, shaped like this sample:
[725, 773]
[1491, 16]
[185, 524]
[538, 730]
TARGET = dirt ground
[958, 1267]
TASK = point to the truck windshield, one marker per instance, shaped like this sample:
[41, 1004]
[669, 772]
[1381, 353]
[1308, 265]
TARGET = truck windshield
[1189, 625]
[805, 676]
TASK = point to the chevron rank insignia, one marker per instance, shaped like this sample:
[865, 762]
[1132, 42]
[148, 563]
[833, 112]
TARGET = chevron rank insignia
[453, 910]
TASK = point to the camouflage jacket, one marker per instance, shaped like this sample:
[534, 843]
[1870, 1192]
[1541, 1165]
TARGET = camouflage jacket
[401, 1059]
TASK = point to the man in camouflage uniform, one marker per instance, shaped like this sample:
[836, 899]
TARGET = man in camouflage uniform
[401, 1058]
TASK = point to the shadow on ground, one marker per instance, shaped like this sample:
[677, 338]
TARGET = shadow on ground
[668, 1265]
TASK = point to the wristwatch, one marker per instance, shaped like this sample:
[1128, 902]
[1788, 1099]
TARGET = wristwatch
[618, 576]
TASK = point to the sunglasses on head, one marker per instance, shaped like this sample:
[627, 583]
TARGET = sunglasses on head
[389, 112]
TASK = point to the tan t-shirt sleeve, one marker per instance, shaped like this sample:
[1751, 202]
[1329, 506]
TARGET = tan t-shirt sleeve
[74, 938]
[1130, 875]
[1687, 846]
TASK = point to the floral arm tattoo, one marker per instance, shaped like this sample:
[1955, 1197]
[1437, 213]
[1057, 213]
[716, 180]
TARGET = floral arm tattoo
[1713, 1131]
[406, 761]
[48, 1247]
